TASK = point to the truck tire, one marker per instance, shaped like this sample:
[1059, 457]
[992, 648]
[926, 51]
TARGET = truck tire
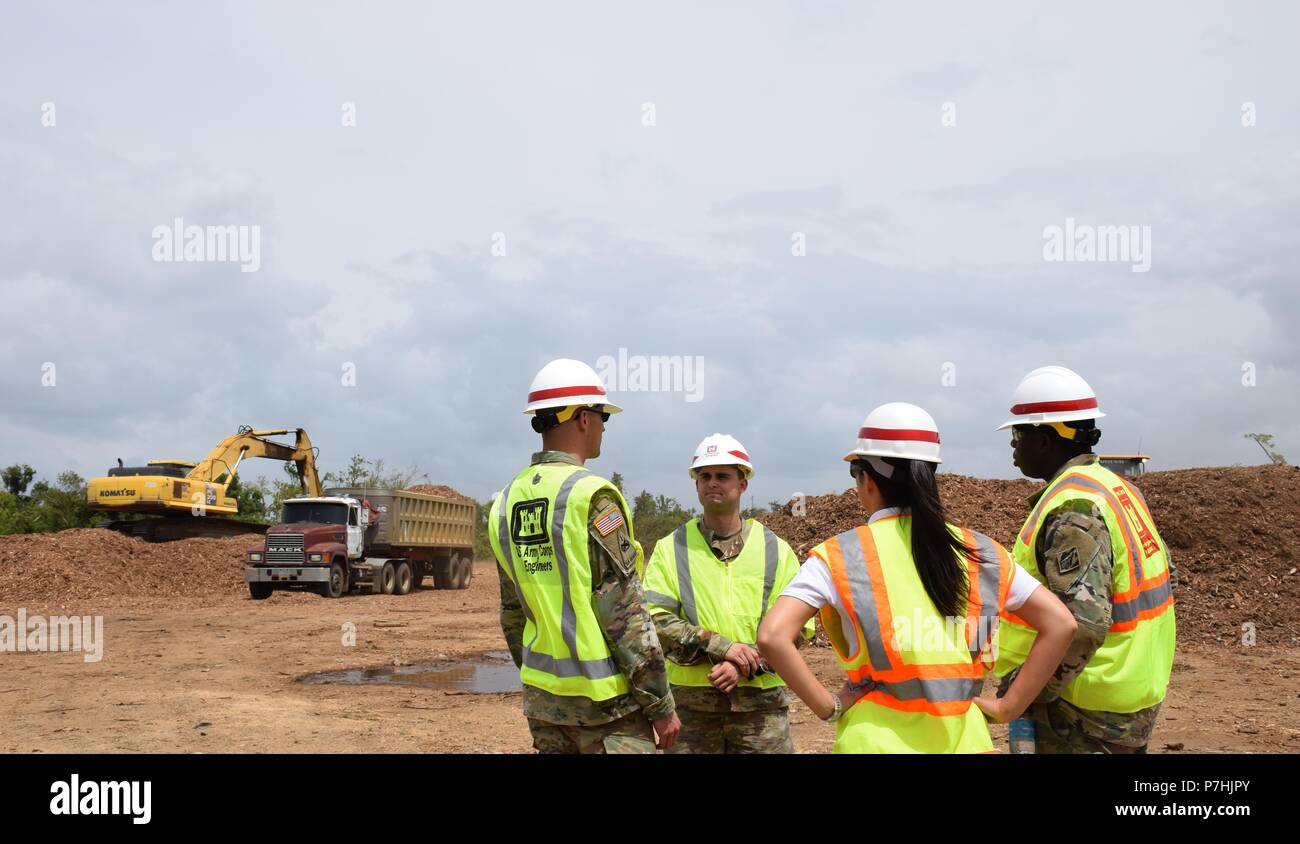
[337, 585]
[442, 574]
[402, 579]
[259, 591]
[387, 579]
[466, 573]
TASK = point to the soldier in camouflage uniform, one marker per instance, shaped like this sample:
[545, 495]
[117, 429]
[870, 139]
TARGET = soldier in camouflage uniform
[726, 717]
[626, 723]
[1073, 552]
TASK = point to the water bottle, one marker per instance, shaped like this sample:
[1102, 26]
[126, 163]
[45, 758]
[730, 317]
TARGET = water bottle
[1021, 735]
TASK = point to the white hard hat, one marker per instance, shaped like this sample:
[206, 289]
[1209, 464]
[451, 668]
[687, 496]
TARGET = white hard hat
[721, 450]
[898, 429]
[1052, 394]
[567, 383]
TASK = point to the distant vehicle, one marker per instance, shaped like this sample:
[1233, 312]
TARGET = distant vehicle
[1130, 465]
[384, 541]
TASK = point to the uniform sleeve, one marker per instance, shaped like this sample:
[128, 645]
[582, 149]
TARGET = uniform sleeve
[1076, 559]
[619, 605]
[684, 643]
[512, 617]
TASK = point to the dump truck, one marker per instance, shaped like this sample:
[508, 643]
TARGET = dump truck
[182, 500]
[384, 541]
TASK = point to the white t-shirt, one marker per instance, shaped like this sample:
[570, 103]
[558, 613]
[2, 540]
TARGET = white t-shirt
[814, 586]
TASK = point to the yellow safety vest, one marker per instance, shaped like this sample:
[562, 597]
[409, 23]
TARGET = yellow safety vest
[537, 527]
[917, 673]
[1130, 671]
[687, 579]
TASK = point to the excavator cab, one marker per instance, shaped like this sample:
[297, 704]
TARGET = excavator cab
[160, 468]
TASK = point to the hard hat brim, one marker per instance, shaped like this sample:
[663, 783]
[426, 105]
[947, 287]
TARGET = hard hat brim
[746, 471]
[1062, 416]
[570, 401]
[901, 454]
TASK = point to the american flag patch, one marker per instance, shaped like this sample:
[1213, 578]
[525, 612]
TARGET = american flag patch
[609, 521]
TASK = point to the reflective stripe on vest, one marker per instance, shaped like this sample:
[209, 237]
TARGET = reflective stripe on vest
[564, 667]
[943, 689]
[682, 560]
[985, 576]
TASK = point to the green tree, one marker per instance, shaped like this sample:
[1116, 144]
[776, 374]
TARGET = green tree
[354, 475]
[250, 497]
[617, 480]
[17, 478]
[16, 515]
[482, 547]
[61, 505]
[1265, 442]
[372, 473]
[656, 516]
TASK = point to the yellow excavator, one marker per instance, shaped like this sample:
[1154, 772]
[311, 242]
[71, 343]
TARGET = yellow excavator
[190, 499]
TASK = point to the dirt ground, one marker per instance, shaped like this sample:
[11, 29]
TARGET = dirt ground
[221, 675]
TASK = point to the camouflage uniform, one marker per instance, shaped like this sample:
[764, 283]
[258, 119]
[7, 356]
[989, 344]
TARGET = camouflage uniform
[564, 724]
[748, 720]
[1074, 555]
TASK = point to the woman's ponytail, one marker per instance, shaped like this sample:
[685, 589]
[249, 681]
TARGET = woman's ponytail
[938, 552]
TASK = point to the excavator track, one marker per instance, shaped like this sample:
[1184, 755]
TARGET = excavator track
[161, 529]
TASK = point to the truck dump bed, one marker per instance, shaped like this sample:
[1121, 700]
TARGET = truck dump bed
[416, 519]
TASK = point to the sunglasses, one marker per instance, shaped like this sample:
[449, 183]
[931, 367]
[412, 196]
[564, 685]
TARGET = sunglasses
[856, 469]
[604, 414]
[1019, 434]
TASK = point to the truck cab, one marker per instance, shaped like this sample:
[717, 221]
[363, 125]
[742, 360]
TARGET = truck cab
[313, 547]
[353, 516]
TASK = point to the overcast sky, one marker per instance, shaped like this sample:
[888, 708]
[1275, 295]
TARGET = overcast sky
[650, 173]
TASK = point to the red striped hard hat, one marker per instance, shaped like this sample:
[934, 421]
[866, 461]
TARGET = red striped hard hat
[722, 450]
[567, 383]
[1052, 394]
[898, 429]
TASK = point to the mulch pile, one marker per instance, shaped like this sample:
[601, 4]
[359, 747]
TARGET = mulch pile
[441, 490]
[73, 568]
[1234, 534]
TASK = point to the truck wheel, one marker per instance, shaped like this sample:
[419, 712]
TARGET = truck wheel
[417, 575]
[465, 574]
[442, 574]
[337, 585]
[259, 591]
[387, 579]
[402, 583]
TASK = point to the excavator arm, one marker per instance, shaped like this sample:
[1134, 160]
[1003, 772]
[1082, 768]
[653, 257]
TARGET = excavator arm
[230, 452]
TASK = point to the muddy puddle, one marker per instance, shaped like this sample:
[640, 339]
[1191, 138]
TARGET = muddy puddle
[492, 673]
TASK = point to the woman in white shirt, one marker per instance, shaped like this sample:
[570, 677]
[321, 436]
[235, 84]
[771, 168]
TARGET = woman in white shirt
[910, 605]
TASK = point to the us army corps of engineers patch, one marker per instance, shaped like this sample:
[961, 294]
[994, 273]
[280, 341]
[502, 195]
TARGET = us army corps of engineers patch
[528, 522]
